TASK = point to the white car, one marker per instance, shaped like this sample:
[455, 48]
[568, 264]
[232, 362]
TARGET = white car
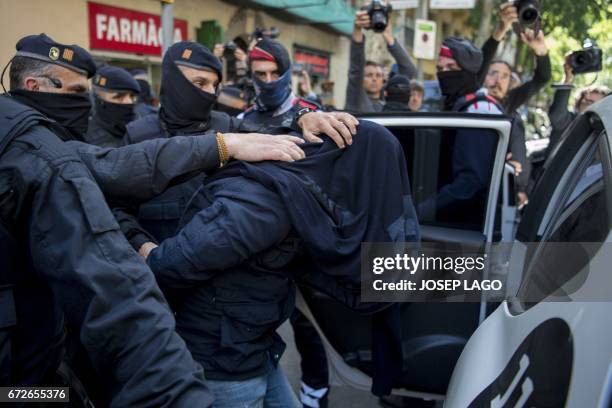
[541, 353]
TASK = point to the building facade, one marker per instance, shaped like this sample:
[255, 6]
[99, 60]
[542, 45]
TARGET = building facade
[127, 32]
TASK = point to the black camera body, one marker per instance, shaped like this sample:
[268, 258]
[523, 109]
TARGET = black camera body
[379, 15]
[261, 33]
[528, 13]
[589, 59]
[228, 49]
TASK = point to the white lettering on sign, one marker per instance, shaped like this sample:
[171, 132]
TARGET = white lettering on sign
[131, 31]
[100, 25]
[139, 32]
[126, 30]
[113, 30]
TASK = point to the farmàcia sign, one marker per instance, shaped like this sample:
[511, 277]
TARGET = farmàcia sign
[124, 30]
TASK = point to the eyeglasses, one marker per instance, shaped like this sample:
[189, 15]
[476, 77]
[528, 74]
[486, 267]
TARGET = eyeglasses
[499, 75]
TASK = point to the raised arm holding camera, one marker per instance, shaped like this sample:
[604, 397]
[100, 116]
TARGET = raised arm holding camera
[579, 62]
[366, 78]
[496, 76]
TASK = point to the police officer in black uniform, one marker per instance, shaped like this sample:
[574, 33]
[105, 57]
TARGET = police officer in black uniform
[190, 78]
[114, 97]
[63, 256]
[275, 102]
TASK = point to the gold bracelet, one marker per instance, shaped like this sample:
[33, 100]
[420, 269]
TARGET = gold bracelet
[223, 152]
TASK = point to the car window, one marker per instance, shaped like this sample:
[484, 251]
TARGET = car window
[450, 171]
[582, 216]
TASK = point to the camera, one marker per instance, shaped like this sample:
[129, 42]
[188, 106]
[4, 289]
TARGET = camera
[261, 33]
[528, 13]
[297, 68]
[589, 59]
[379, 15]
[228, 49]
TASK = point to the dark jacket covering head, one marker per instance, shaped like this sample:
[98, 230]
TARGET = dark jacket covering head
[110, 79]
[467, 55]
[185, 107]
[44, 48]
[271, 50]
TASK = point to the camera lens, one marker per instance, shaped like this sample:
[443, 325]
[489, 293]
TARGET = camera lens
[529, 14]
[582, 58]
[379, 21]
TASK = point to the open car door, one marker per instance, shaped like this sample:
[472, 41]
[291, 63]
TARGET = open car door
[434, 334]
[551, 345]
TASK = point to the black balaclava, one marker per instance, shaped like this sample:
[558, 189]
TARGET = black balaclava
[455, 84]
[70, 110]
[184, 107]
[231, 92]
[114, 117]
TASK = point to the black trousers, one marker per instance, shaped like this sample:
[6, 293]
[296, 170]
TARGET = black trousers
[312, 353]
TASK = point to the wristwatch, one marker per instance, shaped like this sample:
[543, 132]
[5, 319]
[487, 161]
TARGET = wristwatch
[303, 111]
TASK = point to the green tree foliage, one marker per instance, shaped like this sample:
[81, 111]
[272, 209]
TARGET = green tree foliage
[576, 16]
[567, 23]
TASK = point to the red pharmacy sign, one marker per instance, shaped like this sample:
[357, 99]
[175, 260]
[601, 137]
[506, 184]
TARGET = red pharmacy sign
[120, 29]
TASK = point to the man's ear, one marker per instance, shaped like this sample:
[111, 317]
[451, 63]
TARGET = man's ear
[31, 84]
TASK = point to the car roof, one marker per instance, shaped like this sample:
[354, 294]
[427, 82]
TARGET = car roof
[431, 114]
[603, 109]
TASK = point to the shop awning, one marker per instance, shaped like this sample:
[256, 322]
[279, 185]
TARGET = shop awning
[335, 14]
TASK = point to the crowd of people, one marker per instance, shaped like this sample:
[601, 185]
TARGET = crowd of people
[148, 261]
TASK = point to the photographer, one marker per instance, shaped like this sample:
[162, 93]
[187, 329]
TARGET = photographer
[366, 79]
[560, 116]
[234, 59]
[305, 89]
[497, 77]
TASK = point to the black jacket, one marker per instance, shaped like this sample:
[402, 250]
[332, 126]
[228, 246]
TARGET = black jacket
[158, 218]
[560, 116]
[251, 226]
[76, 267]
[100, 134]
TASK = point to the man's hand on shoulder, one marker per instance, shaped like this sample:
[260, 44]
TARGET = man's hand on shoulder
[339, 126]
[255, 147]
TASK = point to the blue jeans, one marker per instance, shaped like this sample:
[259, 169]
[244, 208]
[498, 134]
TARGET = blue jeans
[270, 390]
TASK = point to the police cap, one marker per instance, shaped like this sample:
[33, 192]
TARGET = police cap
[194, 55]
[43, 48]
[115, 79]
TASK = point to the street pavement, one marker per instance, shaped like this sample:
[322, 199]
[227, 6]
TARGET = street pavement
[339, 397]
